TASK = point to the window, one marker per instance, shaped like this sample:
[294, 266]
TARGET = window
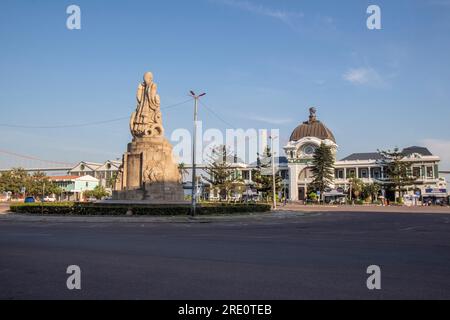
[376, 173]
[339, 174]
[364, 173]
[246, 175]
[351, 173]
[429, 172]
[309, 149]
[416, 172]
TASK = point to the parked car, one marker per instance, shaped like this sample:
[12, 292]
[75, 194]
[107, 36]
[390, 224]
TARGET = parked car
[29, 200]
[91, 199]
[49, 199]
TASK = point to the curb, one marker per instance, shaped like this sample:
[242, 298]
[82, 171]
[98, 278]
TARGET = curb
[16, 217]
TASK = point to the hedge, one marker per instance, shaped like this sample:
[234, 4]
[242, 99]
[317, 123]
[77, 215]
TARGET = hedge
[93, 209]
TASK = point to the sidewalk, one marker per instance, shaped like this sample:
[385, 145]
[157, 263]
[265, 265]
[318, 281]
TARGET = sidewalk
[361, 208]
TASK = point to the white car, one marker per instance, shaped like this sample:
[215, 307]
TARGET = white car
[49, 199]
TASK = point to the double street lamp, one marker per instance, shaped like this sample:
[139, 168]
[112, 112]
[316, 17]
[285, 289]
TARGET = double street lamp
[194, 151]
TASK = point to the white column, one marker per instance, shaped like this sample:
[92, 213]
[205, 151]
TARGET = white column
[293, 182]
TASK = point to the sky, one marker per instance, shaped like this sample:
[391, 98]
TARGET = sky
[261, 63]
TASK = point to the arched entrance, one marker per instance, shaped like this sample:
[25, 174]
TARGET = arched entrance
[304, 178]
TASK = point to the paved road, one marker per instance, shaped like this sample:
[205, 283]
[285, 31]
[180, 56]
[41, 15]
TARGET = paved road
[322, 255]
[4, 207]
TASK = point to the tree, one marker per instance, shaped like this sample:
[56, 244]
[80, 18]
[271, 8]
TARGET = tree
[398, 170]
[111, 181]
[182, 170]
[370, 191]
[219, 171]
[356, 187]
[263, 176]
[36, 184]
[14, 180]
[98, 193]
[322, 168]
[39, 185]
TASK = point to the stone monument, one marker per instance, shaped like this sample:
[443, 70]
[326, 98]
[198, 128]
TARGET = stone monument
[148, 170]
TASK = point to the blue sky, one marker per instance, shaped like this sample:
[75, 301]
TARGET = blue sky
[262, 64]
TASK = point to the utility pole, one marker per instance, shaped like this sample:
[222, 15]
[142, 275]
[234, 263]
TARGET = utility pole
[194, 151]
[42, 199]
[274, 199]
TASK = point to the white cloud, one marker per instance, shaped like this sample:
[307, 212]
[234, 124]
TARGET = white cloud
[363, 76]
[287, 17]
[439, 148]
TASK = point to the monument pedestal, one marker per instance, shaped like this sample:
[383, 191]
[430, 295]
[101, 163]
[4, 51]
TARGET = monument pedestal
[149, 172]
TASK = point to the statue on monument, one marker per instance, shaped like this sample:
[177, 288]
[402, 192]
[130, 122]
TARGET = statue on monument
[312, 115]
[146, 120]
[148, 170]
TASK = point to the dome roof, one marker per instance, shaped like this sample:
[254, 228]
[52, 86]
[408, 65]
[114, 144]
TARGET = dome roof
[312, 128]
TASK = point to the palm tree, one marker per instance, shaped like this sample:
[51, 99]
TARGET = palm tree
[182, 170]
[111, 181]
[370, 191]
[356, 187]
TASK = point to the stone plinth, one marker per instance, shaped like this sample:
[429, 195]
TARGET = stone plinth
[149, 172]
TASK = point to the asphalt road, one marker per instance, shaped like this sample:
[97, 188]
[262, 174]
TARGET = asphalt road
[318, 256]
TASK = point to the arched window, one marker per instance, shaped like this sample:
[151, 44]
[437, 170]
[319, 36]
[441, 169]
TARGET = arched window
[305, 174]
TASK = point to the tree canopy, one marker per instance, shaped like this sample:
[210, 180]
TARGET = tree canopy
[36, 184]
[219, 171]
[263, 177]
[398, 170]
[322, 168]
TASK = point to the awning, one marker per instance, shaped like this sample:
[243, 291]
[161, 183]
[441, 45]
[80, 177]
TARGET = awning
[435, 195]
[333, 193]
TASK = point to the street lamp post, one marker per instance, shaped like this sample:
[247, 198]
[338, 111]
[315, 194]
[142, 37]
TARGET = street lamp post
[274, 200]
[194, 151]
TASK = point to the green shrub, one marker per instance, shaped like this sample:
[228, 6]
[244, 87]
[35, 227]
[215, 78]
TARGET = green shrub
[60, 208]
[313, 196]
[91, 209]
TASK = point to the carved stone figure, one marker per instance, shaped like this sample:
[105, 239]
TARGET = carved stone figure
[148, 170]
[146, 120]
[154, 172]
